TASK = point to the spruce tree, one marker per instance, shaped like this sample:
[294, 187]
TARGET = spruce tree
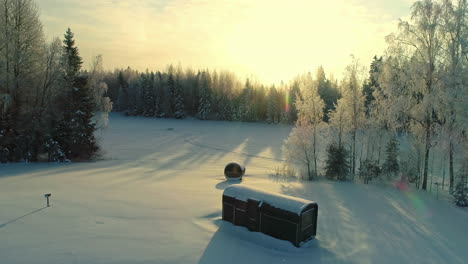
[328, 91]
[157, 84]
[178, 100]
[390, 165]
[225, 109]
[204, 106]
[148, 101]
[460, 193]
[291, 103]
[372, 83]
[245, 111]
[74, 132]
[337, 163]
[8, 133]
[122, 100]
[72, 59]
[274, 107]
[171, 93]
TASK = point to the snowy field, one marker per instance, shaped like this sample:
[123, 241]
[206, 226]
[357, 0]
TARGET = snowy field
[155, 197]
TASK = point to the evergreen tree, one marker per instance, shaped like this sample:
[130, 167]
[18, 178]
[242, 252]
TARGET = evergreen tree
[8, 134]
[273, 106]
[337, 163]
[156, 96]
[371, 84]
[72, 59]
[158, 93]
[390, 165]
[368, 170]
[122, 101]
[54, 151]
[204, 106]
[171, 85]
[178, 100]
[460, 193]
[147, 94]
[244, 109]
[225, 108]
[328, 91]
[75, 130]
[291, 99]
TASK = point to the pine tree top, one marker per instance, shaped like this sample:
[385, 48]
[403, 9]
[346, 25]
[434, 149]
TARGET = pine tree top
[72, 55]
[69, 41]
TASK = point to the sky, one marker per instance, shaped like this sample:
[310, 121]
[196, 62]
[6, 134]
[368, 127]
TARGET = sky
[268, 40]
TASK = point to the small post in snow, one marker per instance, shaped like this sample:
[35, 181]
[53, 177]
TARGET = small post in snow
[47, 195]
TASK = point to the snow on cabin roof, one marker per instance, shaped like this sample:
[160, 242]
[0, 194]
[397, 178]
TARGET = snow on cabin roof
[285, 202]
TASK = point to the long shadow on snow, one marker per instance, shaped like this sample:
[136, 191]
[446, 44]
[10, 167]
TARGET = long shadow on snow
[21, 217]
[249, 144]
[369, 224]
[234, 244]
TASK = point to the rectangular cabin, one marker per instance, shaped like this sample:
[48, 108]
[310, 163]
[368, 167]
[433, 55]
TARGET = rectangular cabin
[280, 216]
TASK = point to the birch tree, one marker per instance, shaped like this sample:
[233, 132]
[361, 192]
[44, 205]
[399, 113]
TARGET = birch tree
[422, 36]
[352, 104]
[454, 29]
[310, 115]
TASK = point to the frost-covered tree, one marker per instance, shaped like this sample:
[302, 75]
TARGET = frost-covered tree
[22, 57]
[299, 148]
[273, 110]
[147, 100]
[157, 85]
[352, 111]
[422, 36]
[310, 114]
[244, 110]
[454, 29]
[98, 90]
[460, 192]
[178, 100]
[174, 94]
[225, 111]
[292, 96]
[205, 97]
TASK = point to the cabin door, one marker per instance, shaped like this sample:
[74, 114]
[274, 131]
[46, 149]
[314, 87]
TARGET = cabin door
[253, 215]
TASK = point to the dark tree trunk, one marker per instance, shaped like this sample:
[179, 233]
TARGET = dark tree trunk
[426, 157]
[451, 166]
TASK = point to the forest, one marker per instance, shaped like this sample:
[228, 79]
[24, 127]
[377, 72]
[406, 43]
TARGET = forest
[391, 118]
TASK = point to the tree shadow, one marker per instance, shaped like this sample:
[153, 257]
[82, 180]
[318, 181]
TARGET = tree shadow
[21, 217]
[234, 244]
[371, 224]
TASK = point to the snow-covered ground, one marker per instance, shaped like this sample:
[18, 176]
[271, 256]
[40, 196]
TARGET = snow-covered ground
[156, 198]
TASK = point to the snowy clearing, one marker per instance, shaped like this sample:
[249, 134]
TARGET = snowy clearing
[156, 198]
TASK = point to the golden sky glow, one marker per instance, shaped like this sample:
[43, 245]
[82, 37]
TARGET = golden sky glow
[272, 40]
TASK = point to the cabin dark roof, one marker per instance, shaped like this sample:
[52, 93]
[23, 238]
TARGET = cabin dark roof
[285, 202]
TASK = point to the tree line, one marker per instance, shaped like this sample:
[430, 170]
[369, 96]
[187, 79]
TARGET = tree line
[206, 95]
